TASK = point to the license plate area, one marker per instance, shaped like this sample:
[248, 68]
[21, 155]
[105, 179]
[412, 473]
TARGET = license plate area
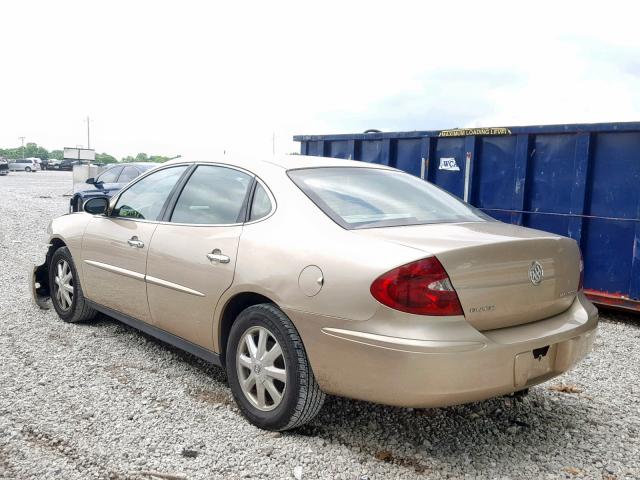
[536, 363]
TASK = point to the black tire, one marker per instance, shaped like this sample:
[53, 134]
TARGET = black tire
[302, 398]
[79, 310]
[27, 169]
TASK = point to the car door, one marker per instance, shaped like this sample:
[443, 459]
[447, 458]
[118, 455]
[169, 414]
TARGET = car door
[115, 247]
[192, 255]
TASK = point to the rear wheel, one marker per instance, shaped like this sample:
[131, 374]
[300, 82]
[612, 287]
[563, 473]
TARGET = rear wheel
[268, 370]
[27, 169]
[66, 292]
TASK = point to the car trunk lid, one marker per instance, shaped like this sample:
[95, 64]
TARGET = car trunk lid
[494, 267]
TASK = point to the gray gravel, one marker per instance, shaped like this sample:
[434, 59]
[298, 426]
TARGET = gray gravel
[104, 401]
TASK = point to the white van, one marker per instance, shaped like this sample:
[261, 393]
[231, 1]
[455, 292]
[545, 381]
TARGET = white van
[24, 164]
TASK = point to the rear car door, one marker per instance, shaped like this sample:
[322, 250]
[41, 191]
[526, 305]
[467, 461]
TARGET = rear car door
[114, 247]
[193, 253]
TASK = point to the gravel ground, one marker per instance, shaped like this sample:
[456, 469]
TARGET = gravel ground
[104, 401]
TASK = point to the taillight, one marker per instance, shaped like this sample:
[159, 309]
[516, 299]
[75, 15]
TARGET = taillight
[422, 287]
[581, 281]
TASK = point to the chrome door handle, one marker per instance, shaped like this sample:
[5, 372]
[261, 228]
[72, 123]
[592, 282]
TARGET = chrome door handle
[218, 257]
[134, 242]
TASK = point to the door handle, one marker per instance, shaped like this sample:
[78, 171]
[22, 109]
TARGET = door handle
[134, 242]
[216, 256]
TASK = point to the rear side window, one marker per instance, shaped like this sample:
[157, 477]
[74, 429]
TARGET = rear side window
[144, 200]
[128, 174]
[213, 196]
[110, 175]
[261, 205]
[356, 197]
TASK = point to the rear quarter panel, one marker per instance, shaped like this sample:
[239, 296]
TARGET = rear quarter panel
[272, 254]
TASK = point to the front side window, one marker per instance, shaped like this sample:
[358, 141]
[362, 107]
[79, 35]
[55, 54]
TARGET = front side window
[144, 200]
[213, 196]
[110, 175]
[369, 197]
[261, 205]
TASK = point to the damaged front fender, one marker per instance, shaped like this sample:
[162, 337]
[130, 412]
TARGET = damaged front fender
[39, 283]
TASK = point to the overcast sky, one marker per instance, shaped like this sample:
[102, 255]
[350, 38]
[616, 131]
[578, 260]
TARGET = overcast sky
[197, 78]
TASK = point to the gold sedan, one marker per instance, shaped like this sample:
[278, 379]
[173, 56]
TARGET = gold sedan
[305, 276]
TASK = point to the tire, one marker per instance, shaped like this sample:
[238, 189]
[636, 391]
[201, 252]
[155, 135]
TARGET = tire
[77, 309]
[301, 398]
[27, 169]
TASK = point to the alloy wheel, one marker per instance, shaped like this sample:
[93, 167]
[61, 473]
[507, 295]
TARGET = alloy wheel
[63, 288]
[261, 368]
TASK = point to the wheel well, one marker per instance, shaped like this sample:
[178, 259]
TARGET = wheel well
[42, 289]
[56, 243]
[231, 311]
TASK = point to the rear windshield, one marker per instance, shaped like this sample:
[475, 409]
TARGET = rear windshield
[368, 197]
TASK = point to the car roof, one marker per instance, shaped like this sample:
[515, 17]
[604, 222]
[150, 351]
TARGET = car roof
[286, 162]
[133, 164]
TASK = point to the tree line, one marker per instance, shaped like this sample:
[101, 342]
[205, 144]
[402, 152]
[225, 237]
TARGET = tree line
[34, 150]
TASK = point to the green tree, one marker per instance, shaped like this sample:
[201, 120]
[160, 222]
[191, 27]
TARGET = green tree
[33, 150]
[105, 158]
[56, 154]
[143, 157]
[30, 150]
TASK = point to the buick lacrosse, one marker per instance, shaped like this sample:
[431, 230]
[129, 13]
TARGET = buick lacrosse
[305, 276]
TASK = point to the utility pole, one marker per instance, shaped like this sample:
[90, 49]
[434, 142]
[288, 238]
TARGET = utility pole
[88, 132]
[273, 144]
[22, 140]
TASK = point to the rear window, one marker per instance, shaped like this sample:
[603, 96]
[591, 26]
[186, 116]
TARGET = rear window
[368, 197]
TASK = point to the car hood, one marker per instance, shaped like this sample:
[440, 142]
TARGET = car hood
[106, 188]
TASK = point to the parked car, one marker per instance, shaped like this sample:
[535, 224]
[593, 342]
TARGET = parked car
[24, 164]
[69, 164]
[50, 164]
[4, 167]
[303, 276]
[108, 182]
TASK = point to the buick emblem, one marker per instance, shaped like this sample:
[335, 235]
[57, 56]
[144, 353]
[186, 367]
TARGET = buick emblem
[536, 273]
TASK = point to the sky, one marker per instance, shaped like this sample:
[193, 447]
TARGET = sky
[203, 78]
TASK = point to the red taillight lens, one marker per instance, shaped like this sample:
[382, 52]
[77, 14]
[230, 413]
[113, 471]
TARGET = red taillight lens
[581, 281]
[421, 287]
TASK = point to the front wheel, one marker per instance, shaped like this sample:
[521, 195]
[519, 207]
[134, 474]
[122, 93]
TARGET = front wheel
[66, 292]
[268, 370]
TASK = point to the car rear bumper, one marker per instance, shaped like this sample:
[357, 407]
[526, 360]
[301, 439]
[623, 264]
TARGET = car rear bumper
[414, 361]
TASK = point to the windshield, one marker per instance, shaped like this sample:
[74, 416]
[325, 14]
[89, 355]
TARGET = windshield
[368, 197]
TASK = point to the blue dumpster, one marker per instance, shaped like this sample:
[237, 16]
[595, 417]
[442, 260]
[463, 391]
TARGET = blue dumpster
[580, 180]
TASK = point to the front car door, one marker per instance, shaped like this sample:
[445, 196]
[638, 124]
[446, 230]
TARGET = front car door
[193, 253]
[115, 247]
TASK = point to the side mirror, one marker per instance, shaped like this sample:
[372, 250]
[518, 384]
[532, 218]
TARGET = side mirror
[90, 181]
[96, 206]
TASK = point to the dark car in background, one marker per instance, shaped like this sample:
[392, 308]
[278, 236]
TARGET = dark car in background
[108, 182]
[69, 164]
[50, 164]
[4, 167]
